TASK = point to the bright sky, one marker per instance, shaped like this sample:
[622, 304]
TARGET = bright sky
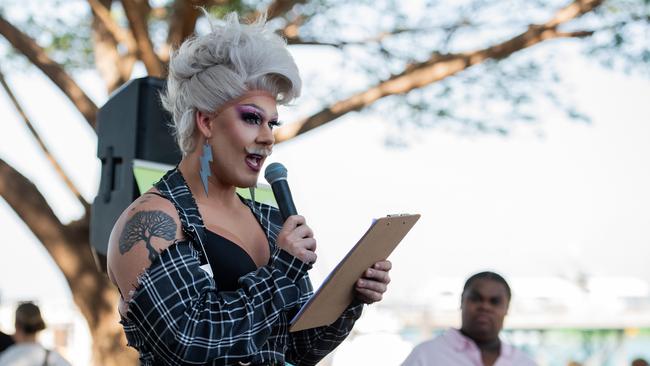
[575, 200]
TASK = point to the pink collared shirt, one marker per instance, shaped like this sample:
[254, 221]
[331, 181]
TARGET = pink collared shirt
[454, 349]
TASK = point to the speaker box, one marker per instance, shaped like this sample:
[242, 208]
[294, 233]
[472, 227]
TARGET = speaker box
[131, 125]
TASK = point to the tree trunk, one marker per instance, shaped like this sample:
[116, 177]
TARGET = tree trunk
[114, 67]
[39, 58]
[69, 246]
[97, 299]
[139, 27]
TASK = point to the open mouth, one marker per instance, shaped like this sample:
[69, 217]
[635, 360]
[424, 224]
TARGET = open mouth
[254, 161]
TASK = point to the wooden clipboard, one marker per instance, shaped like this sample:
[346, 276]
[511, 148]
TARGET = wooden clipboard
[337, 291]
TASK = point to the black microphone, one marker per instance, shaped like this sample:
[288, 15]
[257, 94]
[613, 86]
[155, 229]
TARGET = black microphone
[276, 175]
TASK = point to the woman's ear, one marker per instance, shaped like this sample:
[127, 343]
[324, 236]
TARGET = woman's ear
[204, 123]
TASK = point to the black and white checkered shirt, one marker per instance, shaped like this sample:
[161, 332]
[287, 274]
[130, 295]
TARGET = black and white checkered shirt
[177, 315]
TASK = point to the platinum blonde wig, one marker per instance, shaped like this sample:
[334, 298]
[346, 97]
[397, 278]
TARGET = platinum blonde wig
[208, 70]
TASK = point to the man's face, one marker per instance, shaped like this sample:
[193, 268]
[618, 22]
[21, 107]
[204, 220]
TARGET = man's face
[242, 138]
[484, 305]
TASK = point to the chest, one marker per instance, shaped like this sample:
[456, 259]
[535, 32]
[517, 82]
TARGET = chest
[241, 228]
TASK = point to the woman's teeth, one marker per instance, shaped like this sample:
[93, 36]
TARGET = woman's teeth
[254, 159]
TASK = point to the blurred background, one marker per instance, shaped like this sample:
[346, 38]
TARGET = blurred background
[519, 130]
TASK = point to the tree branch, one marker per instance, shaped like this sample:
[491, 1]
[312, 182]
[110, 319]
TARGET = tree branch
[276, 9]
[68, 246]
[279, 8]
[439, 67]
[113, 67]
[102, 13]
[182, 22]
[49, 155]
[28, 203]
[28, 47]
[297, 41]
[290, 33]
[138, 24]
[185, 13]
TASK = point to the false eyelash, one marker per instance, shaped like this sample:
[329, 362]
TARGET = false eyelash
[251, 117]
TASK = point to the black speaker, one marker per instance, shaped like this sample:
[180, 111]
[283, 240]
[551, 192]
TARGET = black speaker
[131, 125]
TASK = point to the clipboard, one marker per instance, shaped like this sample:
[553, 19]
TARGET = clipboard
[337, 291]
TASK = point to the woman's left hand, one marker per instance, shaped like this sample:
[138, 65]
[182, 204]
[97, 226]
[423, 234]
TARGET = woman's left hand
[373, 283]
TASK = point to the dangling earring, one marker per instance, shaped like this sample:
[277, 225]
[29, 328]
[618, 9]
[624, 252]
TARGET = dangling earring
[252, 192]
[205, 159]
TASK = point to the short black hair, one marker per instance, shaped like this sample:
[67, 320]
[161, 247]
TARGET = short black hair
[488, 275]
[28, 318]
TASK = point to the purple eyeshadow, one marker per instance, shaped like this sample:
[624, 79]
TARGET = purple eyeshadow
[248, 109]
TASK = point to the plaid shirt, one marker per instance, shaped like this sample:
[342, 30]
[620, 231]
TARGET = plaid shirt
[177, 316]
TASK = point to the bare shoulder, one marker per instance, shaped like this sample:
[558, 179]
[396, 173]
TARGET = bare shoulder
[144, 229]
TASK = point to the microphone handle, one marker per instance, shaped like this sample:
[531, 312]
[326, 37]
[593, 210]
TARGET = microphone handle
[283, 197]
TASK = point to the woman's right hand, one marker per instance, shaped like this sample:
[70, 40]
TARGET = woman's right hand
[297, 239]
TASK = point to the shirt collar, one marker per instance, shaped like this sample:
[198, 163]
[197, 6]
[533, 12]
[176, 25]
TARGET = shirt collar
[457, 340]
[460, 342]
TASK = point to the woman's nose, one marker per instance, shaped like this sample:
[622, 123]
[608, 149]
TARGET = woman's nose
[265, 135]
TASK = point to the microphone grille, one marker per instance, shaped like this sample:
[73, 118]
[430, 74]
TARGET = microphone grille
[275, 172]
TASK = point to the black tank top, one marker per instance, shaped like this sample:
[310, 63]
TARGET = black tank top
[229, 261]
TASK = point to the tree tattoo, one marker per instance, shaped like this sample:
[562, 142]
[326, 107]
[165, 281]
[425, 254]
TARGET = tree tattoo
[144, 225]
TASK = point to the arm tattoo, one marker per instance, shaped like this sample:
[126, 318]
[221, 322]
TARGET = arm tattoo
[143, 226]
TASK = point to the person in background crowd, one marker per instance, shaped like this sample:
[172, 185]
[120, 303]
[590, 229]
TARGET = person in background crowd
[27, 351]
[5, 341]
[484, 304]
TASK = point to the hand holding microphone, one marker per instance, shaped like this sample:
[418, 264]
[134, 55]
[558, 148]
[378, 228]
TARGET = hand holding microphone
[298, 239]
[295, 237]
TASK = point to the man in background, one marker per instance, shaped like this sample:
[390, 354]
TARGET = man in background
[484, 305]
[27, 351]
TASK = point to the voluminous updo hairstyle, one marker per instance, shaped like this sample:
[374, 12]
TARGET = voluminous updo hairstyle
[208, 70]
